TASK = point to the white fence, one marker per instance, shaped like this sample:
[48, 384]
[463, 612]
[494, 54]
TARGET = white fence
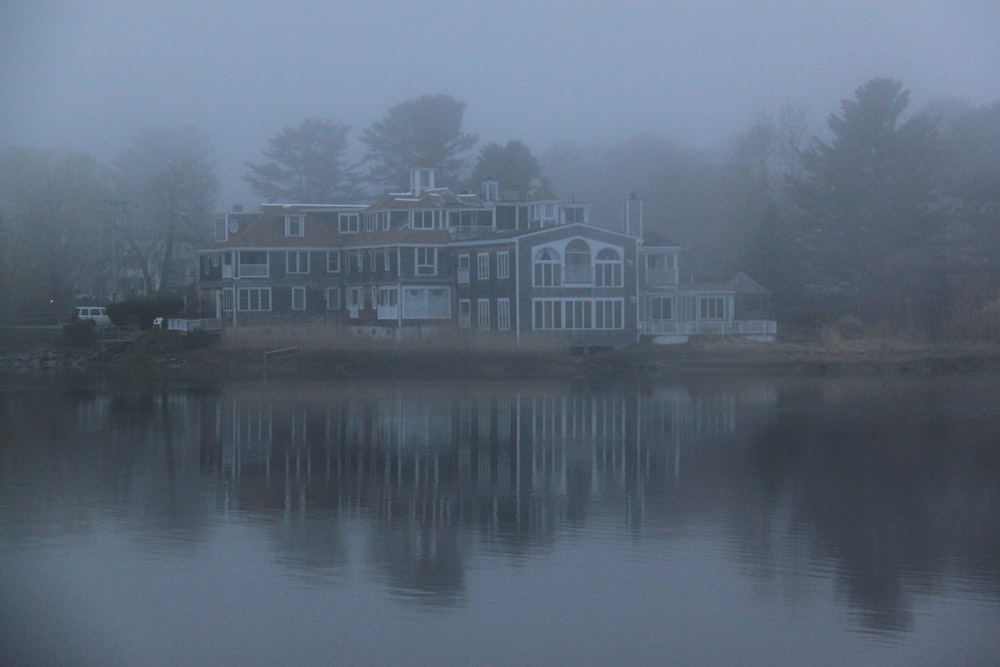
[709, 328]
[186, 326]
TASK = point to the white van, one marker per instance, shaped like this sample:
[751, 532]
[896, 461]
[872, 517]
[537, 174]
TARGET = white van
[97, 314]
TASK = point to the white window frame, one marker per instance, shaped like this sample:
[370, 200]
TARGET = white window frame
[295, 225]
[561, 314]
[295, 267]
[712, 308]
[422, 219]
[483, 314]
[298, 298]
[605, 269]
[349, 223]
[483, 265]
[417, 303]
[252, 299]
[333, 298]
[333, 261]
[427, 264]
[464, 313]
[546, 272]
[503, 264]
[503, 314]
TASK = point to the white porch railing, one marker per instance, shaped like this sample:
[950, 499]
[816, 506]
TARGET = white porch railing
[468, 231]
[578, 274]
[661, 276]
[709, 327]
[188, 325]
[253, 271]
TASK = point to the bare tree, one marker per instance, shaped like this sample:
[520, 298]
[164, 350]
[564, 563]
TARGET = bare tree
[169, 177]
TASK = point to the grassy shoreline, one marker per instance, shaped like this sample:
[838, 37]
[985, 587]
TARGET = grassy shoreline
[169, 355]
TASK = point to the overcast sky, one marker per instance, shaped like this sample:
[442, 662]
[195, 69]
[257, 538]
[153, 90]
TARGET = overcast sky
[90, 75]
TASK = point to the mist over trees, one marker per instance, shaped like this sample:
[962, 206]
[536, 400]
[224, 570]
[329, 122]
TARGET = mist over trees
[512, 165]
[884, 213]
[306, 164]
[425, 131]
[168, 177]
[50, 238]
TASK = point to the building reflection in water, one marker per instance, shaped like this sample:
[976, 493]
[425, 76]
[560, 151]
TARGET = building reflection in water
[512, 461]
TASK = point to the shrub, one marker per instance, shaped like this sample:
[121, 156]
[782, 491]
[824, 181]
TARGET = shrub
[143, 311]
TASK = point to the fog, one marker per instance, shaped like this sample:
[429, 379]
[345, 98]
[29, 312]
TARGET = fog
[90, 75]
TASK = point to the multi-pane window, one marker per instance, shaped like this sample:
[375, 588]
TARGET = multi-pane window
[298, 298]
[463, 268]
[220, 229]
[386, 261]
[660, 308]
[503, 264]
[712, 308]
[552, 314]
[607, 314]
[421, 303]
[464, 312]
[371, 260]
[255, 298]
[297, 261]
[333, 261]
[578, 314]
[483, 313]
[503, 314]
[349, 223]
[547, 268]
[377, 220]
[332, 298]
[388, 296]
[425, 261]
[608, 268]
[227, 300]
[483, 265]
[295, 225]
[355, 298]
[422, 219]
[573, 214]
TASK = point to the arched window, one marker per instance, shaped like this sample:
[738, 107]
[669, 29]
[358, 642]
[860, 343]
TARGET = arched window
[608, 268]
[546, 268]
[578, 267]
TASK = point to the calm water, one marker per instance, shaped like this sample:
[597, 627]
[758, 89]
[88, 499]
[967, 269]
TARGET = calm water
[700, 522]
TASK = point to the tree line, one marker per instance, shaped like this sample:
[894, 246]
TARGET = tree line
[887, 215]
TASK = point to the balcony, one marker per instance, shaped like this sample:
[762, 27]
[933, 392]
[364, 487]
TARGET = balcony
[578, 274]
[252, 271]
[661, 276]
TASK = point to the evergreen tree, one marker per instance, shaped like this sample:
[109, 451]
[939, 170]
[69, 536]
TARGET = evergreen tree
[425, 131]
[305, 165]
